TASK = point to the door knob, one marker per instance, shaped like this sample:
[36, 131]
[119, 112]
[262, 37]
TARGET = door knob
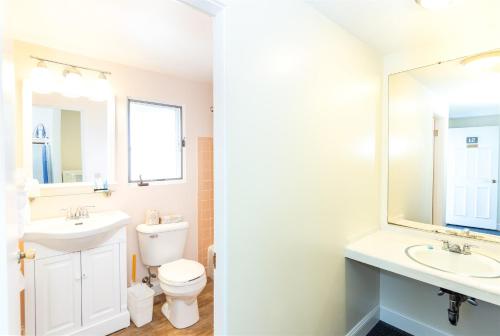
[29, 254]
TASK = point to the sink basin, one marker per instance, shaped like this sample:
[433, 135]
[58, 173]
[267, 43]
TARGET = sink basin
[75, 234]
[474, 265]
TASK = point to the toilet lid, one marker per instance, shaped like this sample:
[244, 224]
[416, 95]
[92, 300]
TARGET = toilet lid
[180, 271]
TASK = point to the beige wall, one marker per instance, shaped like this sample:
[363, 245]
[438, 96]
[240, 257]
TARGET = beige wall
[131, 82]
[303, 101]
[71, 140]
[411, 125]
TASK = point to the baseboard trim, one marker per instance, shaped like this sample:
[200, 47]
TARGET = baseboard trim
[363, 327]
[408, 324]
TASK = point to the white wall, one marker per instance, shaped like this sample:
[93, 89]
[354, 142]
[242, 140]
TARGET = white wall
[301, 127]
[131, 82]
[395, 299]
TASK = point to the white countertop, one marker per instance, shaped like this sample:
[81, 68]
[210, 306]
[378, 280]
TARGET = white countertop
[386, 250]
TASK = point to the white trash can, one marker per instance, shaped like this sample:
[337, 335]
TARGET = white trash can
[140, 304]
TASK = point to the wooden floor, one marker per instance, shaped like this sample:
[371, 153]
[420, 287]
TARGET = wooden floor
[161, 326]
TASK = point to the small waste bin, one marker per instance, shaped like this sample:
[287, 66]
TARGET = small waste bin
[140, 304]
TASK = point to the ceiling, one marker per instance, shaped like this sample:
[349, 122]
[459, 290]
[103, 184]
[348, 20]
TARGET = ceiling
[397, 25]
[158, 35]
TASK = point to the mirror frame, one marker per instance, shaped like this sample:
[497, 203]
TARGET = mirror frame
[404, 223]
[74, 188]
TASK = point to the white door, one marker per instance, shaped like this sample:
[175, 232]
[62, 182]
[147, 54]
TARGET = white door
[100, 283]
[472, 188]
[58, 294]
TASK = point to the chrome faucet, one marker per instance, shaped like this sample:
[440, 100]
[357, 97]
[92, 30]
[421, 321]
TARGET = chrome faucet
[78, 212]
[455, 248]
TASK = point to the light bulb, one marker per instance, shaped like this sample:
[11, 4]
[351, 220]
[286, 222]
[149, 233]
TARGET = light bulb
[73, 84]
[42, 80]
[100, 88]
[485, 61]
[434, 4]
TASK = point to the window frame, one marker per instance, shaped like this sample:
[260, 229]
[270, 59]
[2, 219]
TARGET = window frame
[182, 138]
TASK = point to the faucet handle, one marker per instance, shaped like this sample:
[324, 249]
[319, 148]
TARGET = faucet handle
[466, 248]
[84, 210]
[69, 212]
[446, 244]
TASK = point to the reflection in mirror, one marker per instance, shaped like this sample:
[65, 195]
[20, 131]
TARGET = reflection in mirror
[444, 139]
[69, 139]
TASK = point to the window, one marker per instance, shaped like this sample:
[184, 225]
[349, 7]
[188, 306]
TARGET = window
[155, 141]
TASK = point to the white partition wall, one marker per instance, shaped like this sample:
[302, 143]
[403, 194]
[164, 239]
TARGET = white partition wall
[300, 133]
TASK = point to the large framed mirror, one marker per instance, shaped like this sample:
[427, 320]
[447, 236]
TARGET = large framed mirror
[444, 135]
[68, 142]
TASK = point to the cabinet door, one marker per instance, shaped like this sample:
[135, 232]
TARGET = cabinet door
[100, 283]
[58, 294]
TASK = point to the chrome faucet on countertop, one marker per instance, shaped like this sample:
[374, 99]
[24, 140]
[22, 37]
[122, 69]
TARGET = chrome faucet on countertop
[78, 212]
[455, 248]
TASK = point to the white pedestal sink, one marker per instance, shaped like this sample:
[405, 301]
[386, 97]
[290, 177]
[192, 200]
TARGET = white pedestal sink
[75, 234]
[472, 265]
[77, 282]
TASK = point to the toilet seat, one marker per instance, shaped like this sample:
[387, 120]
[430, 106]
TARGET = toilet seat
[182, 272]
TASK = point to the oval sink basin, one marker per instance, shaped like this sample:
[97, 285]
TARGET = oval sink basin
[473, 265]
[75, 234]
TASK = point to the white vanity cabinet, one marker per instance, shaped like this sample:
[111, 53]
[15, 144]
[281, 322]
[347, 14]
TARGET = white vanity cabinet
[100, 283]
[58, 294]
[77, 293]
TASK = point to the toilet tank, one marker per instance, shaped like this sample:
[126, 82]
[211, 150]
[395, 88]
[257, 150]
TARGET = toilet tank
[161, 243]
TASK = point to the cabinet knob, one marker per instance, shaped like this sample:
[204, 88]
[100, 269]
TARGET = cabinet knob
[84, 275]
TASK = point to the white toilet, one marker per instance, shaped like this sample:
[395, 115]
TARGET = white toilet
[181, 280]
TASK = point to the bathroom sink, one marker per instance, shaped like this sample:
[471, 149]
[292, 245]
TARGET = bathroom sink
[75, 234]
[473, 265]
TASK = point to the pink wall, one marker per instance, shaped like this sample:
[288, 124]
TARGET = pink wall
[195, 97]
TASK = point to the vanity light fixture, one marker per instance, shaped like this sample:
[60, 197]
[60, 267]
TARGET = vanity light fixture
[100, 89]
[433, 4]
[483, 61]
[42, 80]
[73, 82]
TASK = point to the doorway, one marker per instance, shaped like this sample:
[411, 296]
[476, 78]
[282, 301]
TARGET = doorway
[215, 10]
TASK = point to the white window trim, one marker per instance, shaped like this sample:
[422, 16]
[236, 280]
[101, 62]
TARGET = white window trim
[161, 182]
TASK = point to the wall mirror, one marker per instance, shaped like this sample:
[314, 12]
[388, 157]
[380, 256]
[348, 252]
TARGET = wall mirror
[68, 140]
[444, 135]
